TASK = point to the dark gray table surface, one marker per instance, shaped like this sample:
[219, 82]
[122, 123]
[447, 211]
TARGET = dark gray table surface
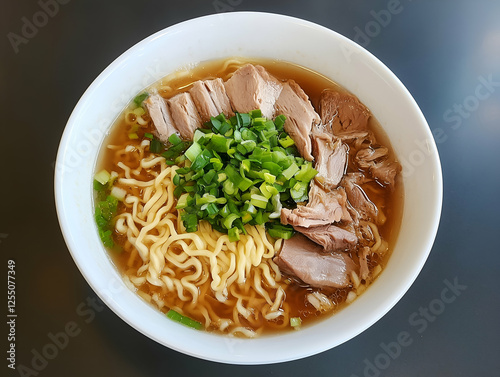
[447, 53]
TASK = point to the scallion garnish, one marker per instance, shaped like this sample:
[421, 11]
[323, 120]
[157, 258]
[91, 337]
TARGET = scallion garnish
[295, 322]
[177, 317]
[174, 139]
[156, 146]
[140, 98]
[104, 212]
[237, 171]
[102, 177]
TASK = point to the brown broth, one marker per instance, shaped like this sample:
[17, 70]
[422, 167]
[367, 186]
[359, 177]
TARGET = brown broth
[391, 202]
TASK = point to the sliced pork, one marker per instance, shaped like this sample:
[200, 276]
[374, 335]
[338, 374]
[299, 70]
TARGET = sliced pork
[330, 158]
[331, 237]
[356, 136]
[185, 115]
[375, 160]
[211, 99]
[217, 92]
[385, 172]
[203, 101]
[343, 112]
[364, 271]
[300, 116]
[367, 157]
[365, 209]
[323, 208]
[160, 114]
[307, 261]
[252, 87]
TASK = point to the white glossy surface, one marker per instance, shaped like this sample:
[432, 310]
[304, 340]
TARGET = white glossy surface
[277, 37]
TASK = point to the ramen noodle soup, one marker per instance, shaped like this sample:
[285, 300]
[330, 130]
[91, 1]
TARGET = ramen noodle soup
[251, 221]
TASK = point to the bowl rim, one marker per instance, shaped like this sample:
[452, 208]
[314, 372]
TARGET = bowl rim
[319, 346]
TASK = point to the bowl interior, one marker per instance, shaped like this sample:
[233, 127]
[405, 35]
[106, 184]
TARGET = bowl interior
[278, 37]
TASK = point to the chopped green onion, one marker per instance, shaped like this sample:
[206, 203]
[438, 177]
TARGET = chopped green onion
[246, 217]
[276, 230]
[217, 163]
[269, 178]
[139, 111]
[105, 211]
[177, 317]
[237, 171]
[156, 146]
[140, 98]
[102, 177]
[221, 177]
[257, 113]
[208, 177]
[148, 135]
[98, 186]
[306, 173]
[286, 142]
[182, 202]
[211, 209]
[290, 171]
[106, 237]
[259, 201]
[118, 193]
[277, 206]
[279, 121]
[273, 168]
[219, 143]
[174, 139]
[295, 322]
[234, 234]
[201, 160]
[245, 184]
[133, 136]
[193, 151]
[299, 191]
[229, 187]
[228, 221]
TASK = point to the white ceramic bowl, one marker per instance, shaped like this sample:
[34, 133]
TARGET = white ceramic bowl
[276, 37]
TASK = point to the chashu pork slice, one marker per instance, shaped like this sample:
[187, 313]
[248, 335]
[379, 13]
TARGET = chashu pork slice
[185, 115]
[323, 208]
[252, 87]
[211, 99]
[378, 163]
[308, 262]
[294, 103]
[331, 237]
[330, 158]
[343, 112]
[160, 114]
[359, 200]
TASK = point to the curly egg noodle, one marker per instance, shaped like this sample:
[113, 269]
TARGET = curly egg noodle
[231, 287]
